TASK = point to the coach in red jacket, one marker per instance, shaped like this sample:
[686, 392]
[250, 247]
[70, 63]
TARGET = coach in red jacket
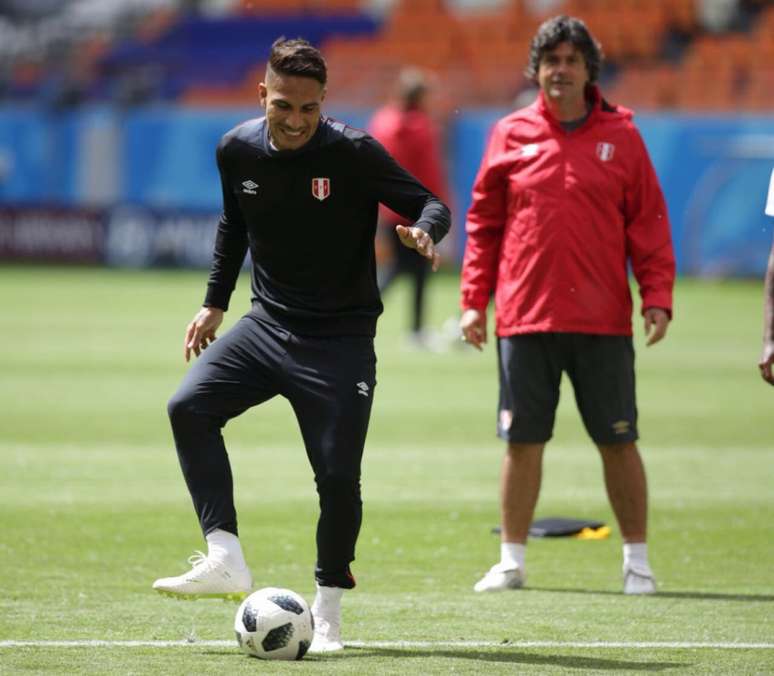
[565, 197]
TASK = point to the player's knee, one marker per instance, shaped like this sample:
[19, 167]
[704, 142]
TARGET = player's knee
[180, 408]
[522, 450]
[338, 487]
[618, 448]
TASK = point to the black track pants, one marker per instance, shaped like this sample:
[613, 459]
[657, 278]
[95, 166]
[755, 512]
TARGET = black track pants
[329, 382]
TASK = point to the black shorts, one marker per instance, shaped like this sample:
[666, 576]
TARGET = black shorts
[600, 367]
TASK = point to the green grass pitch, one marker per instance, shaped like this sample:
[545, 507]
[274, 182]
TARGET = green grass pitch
[94, 507]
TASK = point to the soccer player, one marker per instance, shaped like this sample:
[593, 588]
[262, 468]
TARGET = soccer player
[301, 192]
[767, 354]
[411, 136]
[565, 198]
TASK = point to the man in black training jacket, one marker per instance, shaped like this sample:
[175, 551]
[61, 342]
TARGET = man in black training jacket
[301, 191]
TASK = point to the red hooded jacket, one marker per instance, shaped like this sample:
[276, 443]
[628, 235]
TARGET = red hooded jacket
[555, 217]
[412, 138]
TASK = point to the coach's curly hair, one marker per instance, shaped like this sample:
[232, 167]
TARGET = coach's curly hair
[298, 57]
[564, 29]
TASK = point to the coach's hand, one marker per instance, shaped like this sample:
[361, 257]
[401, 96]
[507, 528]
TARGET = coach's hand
[416, 238]
[473, 326]
[656, 323]
[201, 331]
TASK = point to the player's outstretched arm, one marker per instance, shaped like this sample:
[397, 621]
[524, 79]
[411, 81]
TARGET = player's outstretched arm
[201, 331]
[656, 324]
[416, 238]
[473, 326]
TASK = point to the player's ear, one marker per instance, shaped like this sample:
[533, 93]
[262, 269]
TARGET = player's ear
[262, 94]
[324, 92]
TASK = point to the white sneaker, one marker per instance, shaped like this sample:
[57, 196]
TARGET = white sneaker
[327, 637]
[327, 626]
[638, 579]
[500, 577]
[208, 578]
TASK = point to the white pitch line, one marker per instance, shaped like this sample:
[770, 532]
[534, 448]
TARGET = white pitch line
[665, 645]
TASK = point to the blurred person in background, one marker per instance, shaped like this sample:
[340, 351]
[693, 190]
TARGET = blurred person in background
[301, 192]
[766, 363]
[566, 197]
[409, 133]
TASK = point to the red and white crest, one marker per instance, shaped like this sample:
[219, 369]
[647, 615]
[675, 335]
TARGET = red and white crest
[321, 188]
[605, 151]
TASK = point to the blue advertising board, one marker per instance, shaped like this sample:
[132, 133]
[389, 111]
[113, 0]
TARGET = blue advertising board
[714, 170]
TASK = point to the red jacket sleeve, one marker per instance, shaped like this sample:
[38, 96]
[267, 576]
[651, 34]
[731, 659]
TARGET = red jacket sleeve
[648, 237]
[485, 224]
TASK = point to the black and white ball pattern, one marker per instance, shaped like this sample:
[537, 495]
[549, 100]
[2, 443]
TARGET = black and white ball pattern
[274, 624]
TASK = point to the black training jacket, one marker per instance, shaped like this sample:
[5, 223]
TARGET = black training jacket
[308, 217]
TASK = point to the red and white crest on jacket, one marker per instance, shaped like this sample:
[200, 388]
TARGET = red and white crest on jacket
[605, 151]
[321, 188]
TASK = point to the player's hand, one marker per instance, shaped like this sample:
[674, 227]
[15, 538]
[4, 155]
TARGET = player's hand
[201, 331]
[416, 238]
[473, 327]
[766, 364]
[656, 323]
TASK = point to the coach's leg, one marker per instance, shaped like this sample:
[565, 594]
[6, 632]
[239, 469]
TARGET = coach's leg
[626, 488]
[530, 372]
[519, 489]
[628, 493]
[520, 479]
[604, 381]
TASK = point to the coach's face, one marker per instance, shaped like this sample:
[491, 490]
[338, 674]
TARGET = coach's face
[292, 108]
[563, 75]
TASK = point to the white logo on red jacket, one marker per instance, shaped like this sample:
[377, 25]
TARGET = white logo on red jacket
[321, 188]
[529, 150]
[605, 151]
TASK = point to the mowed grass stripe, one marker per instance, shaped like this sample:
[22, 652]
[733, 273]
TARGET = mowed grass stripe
[624, 645]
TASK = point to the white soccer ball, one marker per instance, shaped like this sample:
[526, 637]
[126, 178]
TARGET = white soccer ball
[274, 624]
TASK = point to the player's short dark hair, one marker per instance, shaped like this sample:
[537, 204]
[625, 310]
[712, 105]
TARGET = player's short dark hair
[298, 57]
[560, 29]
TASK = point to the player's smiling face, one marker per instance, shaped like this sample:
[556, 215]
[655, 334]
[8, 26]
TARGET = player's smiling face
[292, 108]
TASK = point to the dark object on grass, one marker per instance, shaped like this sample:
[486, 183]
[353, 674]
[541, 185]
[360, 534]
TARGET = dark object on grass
[558, 526]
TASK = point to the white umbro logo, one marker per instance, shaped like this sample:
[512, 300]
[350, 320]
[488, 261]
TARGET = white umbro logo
[249, 187]
[529, 150]
[362, 388]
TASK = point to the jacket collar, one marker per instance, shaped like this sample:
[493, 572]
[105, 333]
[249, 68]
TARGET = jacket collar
[593, 98]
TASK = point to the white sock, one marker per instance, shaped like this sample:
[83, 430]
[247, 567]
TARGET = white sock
[636, 553]
[327, 599]
[513, 553]
[224, 546]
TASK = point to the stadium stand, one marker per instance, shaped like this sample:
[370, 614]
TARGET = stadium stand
[699, 55]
